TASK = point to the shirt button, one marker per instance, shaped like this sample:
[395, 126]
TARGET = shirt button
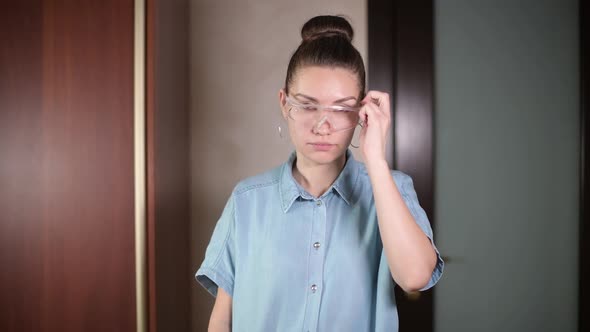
[316, 245]
[318, 203]
[314, 288]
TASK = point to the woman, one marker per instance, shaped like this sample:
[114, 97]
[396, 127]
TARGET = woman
[319, 243]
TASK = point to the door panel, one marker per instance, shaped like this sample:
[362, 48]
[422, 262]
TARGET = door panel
[66, 173]
[507, 156]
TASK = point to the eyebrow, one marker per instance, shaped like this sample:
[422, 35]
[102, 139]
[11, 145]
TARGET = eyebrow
[315, 100]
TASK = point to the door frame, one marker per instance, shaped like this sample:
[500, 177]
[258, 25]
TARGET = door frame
[584, 254]
[401, 62]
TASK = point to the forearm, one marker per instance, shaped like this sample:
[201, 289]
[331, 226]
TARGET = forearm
[410, 254]
[219, 326]
[221, 316]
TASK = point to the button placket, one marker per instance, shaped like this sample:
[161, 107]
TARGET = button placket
[316, 264]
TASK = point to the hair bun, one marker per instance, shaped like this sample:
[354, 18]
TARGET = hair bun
[326, 26]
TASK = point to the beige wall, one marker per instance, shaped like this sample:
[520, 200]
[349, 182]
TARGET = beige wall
[239, 55]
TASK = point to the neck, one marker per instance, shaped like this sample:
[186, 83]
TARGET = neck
[316, 179]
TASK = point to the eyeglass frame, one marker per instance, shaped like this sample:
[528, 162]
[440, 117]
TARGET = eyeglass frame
[339, 108]
[333, 108]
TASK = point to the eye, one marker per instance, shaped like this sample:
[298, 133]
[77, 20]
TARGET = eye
[309, 107]
[343, 109]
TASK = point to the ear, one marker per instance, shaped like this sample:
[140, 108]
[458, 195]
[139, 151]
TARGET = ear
[283, 103]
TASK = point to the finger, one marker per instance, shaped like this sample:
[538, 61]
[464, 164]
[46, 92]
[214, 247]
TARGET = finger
[375, 117]
[378, 95]
[383, 110]
[373, 113]
[362, 115]
[370, 117]
[381, 99]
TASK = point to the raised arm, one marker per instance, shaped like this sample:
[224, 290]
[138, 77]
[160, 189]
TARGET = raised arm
[410, 254]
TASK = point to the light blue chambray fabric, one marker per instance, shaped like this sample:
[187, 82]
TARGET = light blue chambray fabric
[292, 262]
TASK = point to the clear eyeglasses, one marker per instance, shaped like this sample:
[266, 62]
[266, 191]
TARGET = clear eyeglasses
[310, 115]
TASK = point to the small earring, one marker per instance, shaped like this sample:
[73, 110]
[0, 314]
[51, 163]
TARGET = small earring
[280, 131]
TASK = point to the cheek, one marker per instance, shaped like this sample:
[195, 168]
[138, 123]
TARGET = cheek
[347, 137]
[296, 133]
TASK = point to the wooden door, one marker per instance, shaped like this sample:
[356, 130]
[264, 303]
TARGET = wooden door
[67, 260]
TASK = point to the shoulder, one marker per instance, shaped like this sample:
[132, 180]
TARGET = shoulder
[266, 179]
[398, 176]
[401, 177]
[403, 181]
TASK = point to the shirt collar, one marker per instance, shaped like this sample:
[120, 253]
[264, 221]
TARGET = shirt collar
[344, 185]
[346, 182]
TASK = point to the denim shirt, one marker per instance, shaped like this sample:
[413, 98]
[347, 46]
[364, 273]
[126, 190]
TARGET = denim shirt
[293, 262]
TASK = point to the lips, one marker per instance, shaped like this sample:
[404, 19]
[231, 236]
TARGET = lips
[322, 146]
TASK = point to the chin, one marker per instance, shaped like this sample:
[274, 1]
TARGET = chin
[323, 156]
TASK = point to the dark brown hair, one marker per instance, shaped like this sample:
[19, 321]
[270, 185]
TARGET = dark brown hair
[327, 42]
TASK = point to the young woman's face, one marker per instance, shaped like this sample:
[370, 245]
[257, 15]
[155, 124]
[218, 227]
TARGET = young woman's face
[319, 142]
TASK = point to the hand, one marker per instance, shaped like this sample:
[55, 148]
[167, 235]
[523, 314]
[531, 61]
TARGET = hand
[375, 116]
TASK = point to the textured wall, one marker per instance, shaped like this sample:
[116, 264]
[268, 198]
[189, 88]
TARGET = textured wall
[239, 56]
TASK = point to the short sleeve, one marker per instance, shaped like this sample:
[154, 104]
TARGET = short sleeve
[406, 187]
[218, 267]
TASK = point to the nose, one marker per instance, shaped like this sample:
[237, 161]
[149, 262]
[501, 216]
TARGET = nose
[322, 127]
